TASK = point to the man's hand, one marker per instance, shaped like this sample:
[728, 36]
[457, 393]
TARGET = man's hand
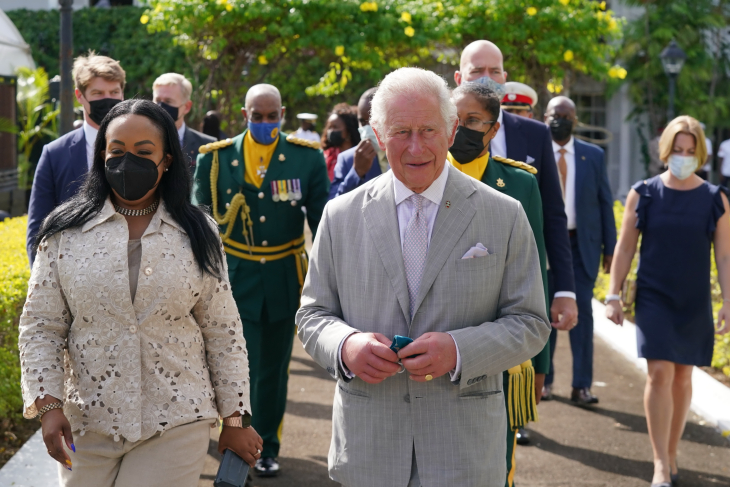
[436, 356]
[364, 156]
[607, 259]
[564, 313]
[368, 356]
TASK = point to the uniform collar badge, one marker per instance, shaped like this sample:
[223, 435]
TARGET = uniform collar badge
[500, 183]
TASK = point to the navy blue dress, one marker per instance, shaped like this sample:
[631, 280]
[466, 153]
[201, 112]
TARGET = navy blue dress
[673, 308]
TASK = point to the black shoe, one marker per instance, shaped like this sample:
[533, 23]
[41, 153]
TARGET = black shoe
[583, 396]
[267, 467]
[547, 392]
[523, 437]
[249, 481]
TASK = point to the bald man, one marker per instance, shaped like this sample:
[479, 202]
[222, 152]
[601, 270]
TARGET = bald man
[256, 185]
[529, 141]
[592, 230]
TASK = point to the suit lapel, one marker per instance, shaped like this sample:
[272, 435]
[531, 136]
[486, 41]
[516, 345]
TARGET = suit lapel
[188, 144]
[381, 220]
[580, 170]
[77, 152]
[515, 141]
[450, 225]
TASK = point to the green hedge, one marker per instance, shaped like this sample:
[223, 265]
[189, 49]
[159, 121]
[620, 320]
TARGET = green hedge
[114, 32]
[14, 275]
[721, 356]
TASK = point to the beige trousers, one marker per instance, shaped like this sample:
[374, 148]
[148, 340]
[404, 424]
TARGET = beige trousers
[173, 459]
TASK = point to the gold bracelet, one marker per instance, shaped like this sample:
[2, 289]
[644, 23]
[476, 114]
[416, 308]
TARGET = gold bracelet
[48, 407]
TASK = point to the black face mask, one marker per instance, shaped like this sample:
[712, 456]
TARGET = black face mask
[561, 128]
[173, 111]
[468, 144]
[335, 138]
[99, 109]
[131, 176]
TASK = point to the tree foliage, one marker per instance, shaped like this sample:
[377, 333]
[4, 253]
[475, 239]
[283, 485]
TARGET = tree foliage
[320, 48]
[700, 29]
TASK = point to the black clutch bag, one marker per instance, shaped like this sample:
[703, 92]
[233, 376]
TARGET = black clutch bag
[232, 471]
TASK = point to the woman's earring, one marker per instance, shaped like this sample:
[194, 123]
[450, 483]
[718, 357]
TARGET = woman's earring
[167, 169]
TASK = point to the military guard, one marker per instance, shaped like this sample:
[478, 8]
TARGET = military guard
[519, 99]
[257, 185]
[478, 109]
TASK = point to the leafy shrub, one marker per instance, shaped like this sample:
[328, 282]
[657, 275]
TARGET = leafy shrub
[14, 275]
[721, 356]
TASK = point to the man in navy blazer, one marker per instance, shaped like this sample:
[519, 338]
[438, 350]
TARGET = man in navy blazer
[526, 140]
[64, 162]
[366, 160]
[592, 230]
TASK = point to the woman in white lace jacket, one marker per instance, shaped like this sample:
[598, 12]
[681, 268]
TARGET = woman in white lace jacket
[131, 345]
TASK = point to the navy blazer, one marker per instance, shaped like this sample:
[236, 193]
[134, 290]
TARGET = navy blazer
[192, 140]
[594, 221]
[58, 176]
[346, 178]
[530, 141]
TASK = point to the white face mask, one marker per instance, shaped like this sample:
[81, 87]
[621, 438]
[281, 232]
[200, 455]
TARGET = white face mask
[682, 167]
[367, 133]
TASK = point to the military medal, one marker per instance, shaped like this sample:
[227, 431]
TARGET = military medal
[262, 168]
[297, 189]
[290, 188]
[274, 192]
[283, 194]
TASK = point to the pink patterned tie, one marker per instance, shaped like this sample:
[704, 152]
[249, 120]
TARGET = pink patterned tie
[415, 248]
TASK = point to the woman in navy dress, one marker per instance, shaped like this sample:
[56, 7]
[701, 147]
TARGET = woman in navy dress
[679, 217]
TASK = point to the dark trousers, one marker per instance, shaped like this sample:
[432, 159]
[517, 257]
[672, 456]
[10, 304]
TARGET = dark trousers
[269, 345]
[581, 337]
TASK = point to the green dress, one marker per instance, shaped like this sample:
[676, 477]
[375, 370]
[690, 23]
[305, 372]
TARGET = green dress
[516, 179]
[263, 237]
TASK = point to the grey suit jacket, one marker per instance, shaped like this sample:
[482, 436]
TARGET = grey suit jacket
[494, 306]
[192, 140]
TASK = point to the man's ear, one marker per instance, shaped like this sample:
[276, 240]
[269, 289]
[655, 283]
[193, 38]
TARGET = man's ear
[243, 111]
[457, 78]
[78, 94]
[188, 106]
[453, 132]
[283, 111]
[505, 75]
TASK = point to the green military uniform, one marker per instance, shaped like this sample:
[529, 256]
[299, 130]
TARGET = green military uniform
[263, 237]
[516, 179]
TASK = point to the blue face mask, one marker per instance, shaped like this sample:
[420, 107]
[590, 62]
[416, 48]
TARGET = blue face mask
[498, 88]
[264, 133]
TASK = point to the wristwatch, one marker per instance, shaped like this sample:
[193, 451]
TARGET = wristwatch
[612, 297]
[243, 421]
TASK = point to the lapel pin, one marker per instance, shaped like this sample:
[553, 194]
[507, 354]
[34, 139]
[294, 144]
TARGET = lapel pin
[448, 204]
[234, 163]
[500, 183]
[282, 157]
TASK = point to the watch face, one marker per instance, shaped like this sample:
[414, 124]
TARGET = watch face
[246, 420]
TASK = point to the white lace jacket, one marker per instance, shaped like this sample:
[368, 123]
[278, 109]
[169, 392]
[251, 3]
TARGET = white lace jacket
[174, 356]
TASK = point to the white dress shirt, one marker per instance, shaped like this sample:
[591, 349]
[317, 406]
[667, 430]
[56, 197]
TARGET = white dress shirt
[181, 133]
[498, 146]
[90, 136]
[724, 152]
[405, 211]
[569, 179]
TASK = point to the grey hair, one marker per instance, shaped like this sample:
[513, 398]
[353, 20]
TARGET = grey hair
[409, 82]
[175, 79]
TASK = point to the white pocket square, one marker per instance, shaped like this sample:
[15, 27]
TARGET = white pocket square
[530, 159]
[478, 250]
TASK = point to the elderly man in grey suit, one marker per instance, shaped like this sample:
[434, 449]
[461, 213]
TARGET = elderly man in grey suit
[427, 252]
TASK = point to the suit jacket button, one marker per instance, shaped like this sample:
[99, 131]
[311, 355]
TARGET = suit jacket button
[265, 243]
[228, 205]
[234, 163]
[407, 398]
[147, 271]
[133, 329]
[261, 195]
[262, 219]
[228, 191]
[263, 260]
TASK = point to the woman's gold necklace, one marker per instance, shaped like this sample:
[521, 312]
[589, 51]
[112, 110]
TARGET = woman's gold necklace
[142, 212]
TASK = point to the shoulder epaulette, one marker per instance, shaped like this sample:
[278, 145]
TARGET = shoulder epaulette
[512, 162]
[306, 143]
[204, 149]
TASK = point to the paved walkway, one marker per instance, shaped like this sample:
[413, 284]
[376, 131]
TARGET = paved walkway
[605, 446]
